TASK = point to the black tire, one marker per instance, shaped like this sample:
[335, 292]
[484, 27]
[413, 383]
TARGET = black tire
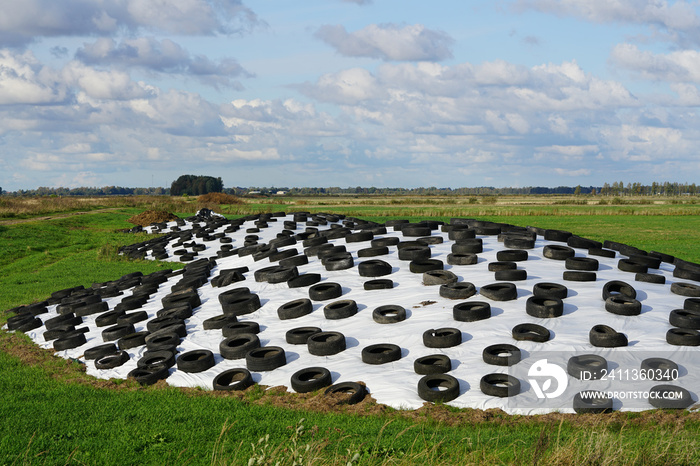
[373, 252]
[462, 259]
[233, 379]
[550, 290]
[183, 311]
[511, 275]
[236, 328]
[659, 369]
[385, 242]
[237, 346]
[603, 336]
[379, 284]
[412, 253]
[381, 353]
[650, 278]
[325, 291]
[350, 392]
[242, 305]
[501, 355]
[281, 274]
[617, 287]
[557, 235]
[29, 325]
[90, 309]
[339, 262]
[574, 276]
[650, 261]
[582, 263]
[359, 237]
[195, 361]
[468, 246]
[499, 291]
[460, 234]
[442, 337]
[110, 361]
[389, 314]
[683, 337]
[340, 309]
[115, 332]
[158, 323]
[218, 322]
[471, 311]
[592, 402]
[304, 280]
[684, 318]
[132, 317]
[233, 294]
[556, 252]
[162, 341]
[69, 341]
[311, 379]
[148, 376]
[97, 352]
[628, 265]
[325, 343]
[518, 242]
[295, 309]
[587, 367]
[294, 261]
[132, 340]
[156, 360]
[374, 268]
[623, 306]
[600, 252]
[500, 385]
[266, 358]
[513, 255]
[65, 319]
[544, 308]
[692, 304]
[425, 265]
[670, 397]
[459, 290]
[438, 388]
[299, 335]
[531, 332]
[502, 265]
[432, 364]
[439, 277]
[685, 289]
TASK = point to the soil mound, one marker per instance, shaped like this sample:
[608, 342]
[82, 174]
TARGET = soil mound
[218, 198]
[152, 216]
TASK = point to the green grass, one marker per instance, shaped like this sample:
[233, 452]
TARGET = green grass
[53, 413]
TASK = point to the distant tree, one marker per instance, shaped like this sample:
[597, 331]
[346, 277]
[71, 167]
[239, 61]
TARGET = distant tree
[577, 191]
[196, 185]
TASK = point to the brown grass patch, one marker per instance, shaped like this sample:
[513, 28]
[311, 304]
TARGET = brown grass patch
[218, 198]
[152, 216]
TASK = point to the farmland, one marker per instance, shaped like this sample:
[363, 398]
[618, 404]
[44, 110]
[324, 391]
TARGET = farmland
[53, 412]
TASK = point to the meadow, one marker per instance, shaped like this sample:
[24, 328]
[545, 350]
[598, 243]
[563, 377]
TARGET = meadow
[54, 413]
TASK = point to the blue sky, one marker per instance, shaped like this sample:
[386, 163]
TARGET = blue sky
[345, 93]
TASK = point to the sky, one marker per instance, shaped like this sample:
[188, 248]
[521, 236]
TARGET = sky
[321, 93]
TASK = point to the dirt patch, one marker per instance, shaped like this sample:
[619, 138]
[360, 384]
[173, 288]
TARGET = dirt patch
[152, 216]
[218, 198]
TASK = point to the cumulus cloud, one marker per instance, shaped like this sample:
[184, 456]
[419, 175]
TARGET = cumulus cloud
[681, 66]
[25, 21]
[678, 20]
[389, 42]
[162, 56]
[24, 80]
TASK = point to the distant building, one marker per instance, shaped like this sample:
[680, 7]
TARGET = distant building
[281, 193]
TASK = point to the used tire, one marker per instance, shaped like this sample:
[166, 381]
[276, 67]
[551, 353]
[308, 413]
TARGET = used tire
[438, 388]
[442, 337]
[237, 346]
[132, 340]
[340, 309]
[500, 385]
[439, 277]
[389, 314]
[557, 252]
[531, 332]
[110, 361]
[471, 311]
[587, 367]
[684, 318]
[311, 379]
[544, 308]
[685, 289]
[581, 263]
[266, 358]
[218, 322]
[432, 364]
[513, 255]
[592, 402]
[117, 331]
[623, 306]
[459, 290]
[379, 284]
[511, 275]
[617, 287]
[501, 355]
[670, 397]
[350, 392]
[425, 265]
[499, 291]
[300, 335]
[236, 328]
[233, 379]
[295, 309]
[195, 361]
[303, 280]
[149, 376]
[325, 291]
[381, 353]
[603, 336]
[683, 337]
[462, 259]
[326, 343]
[659, 369]
[374, 268]
[97, 352]
[550, 290]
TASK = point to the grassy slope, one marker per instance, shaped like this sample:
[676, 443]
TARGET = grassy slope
[49, 419]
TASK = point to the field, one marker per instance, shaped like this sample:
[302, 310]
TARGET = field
[53, 413]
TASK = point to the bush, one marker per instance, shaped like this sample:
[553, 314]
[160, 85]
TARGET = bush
[218, 198]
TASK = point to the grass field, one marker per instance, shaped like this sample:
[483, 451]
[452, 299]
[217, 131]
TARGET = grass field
[54, 413]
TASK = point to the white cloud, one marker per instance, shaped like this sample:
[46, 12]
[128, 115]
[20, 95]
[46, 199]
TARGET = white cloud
[679, 66]
[24, 80]
[389, 42]
[24, 22]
